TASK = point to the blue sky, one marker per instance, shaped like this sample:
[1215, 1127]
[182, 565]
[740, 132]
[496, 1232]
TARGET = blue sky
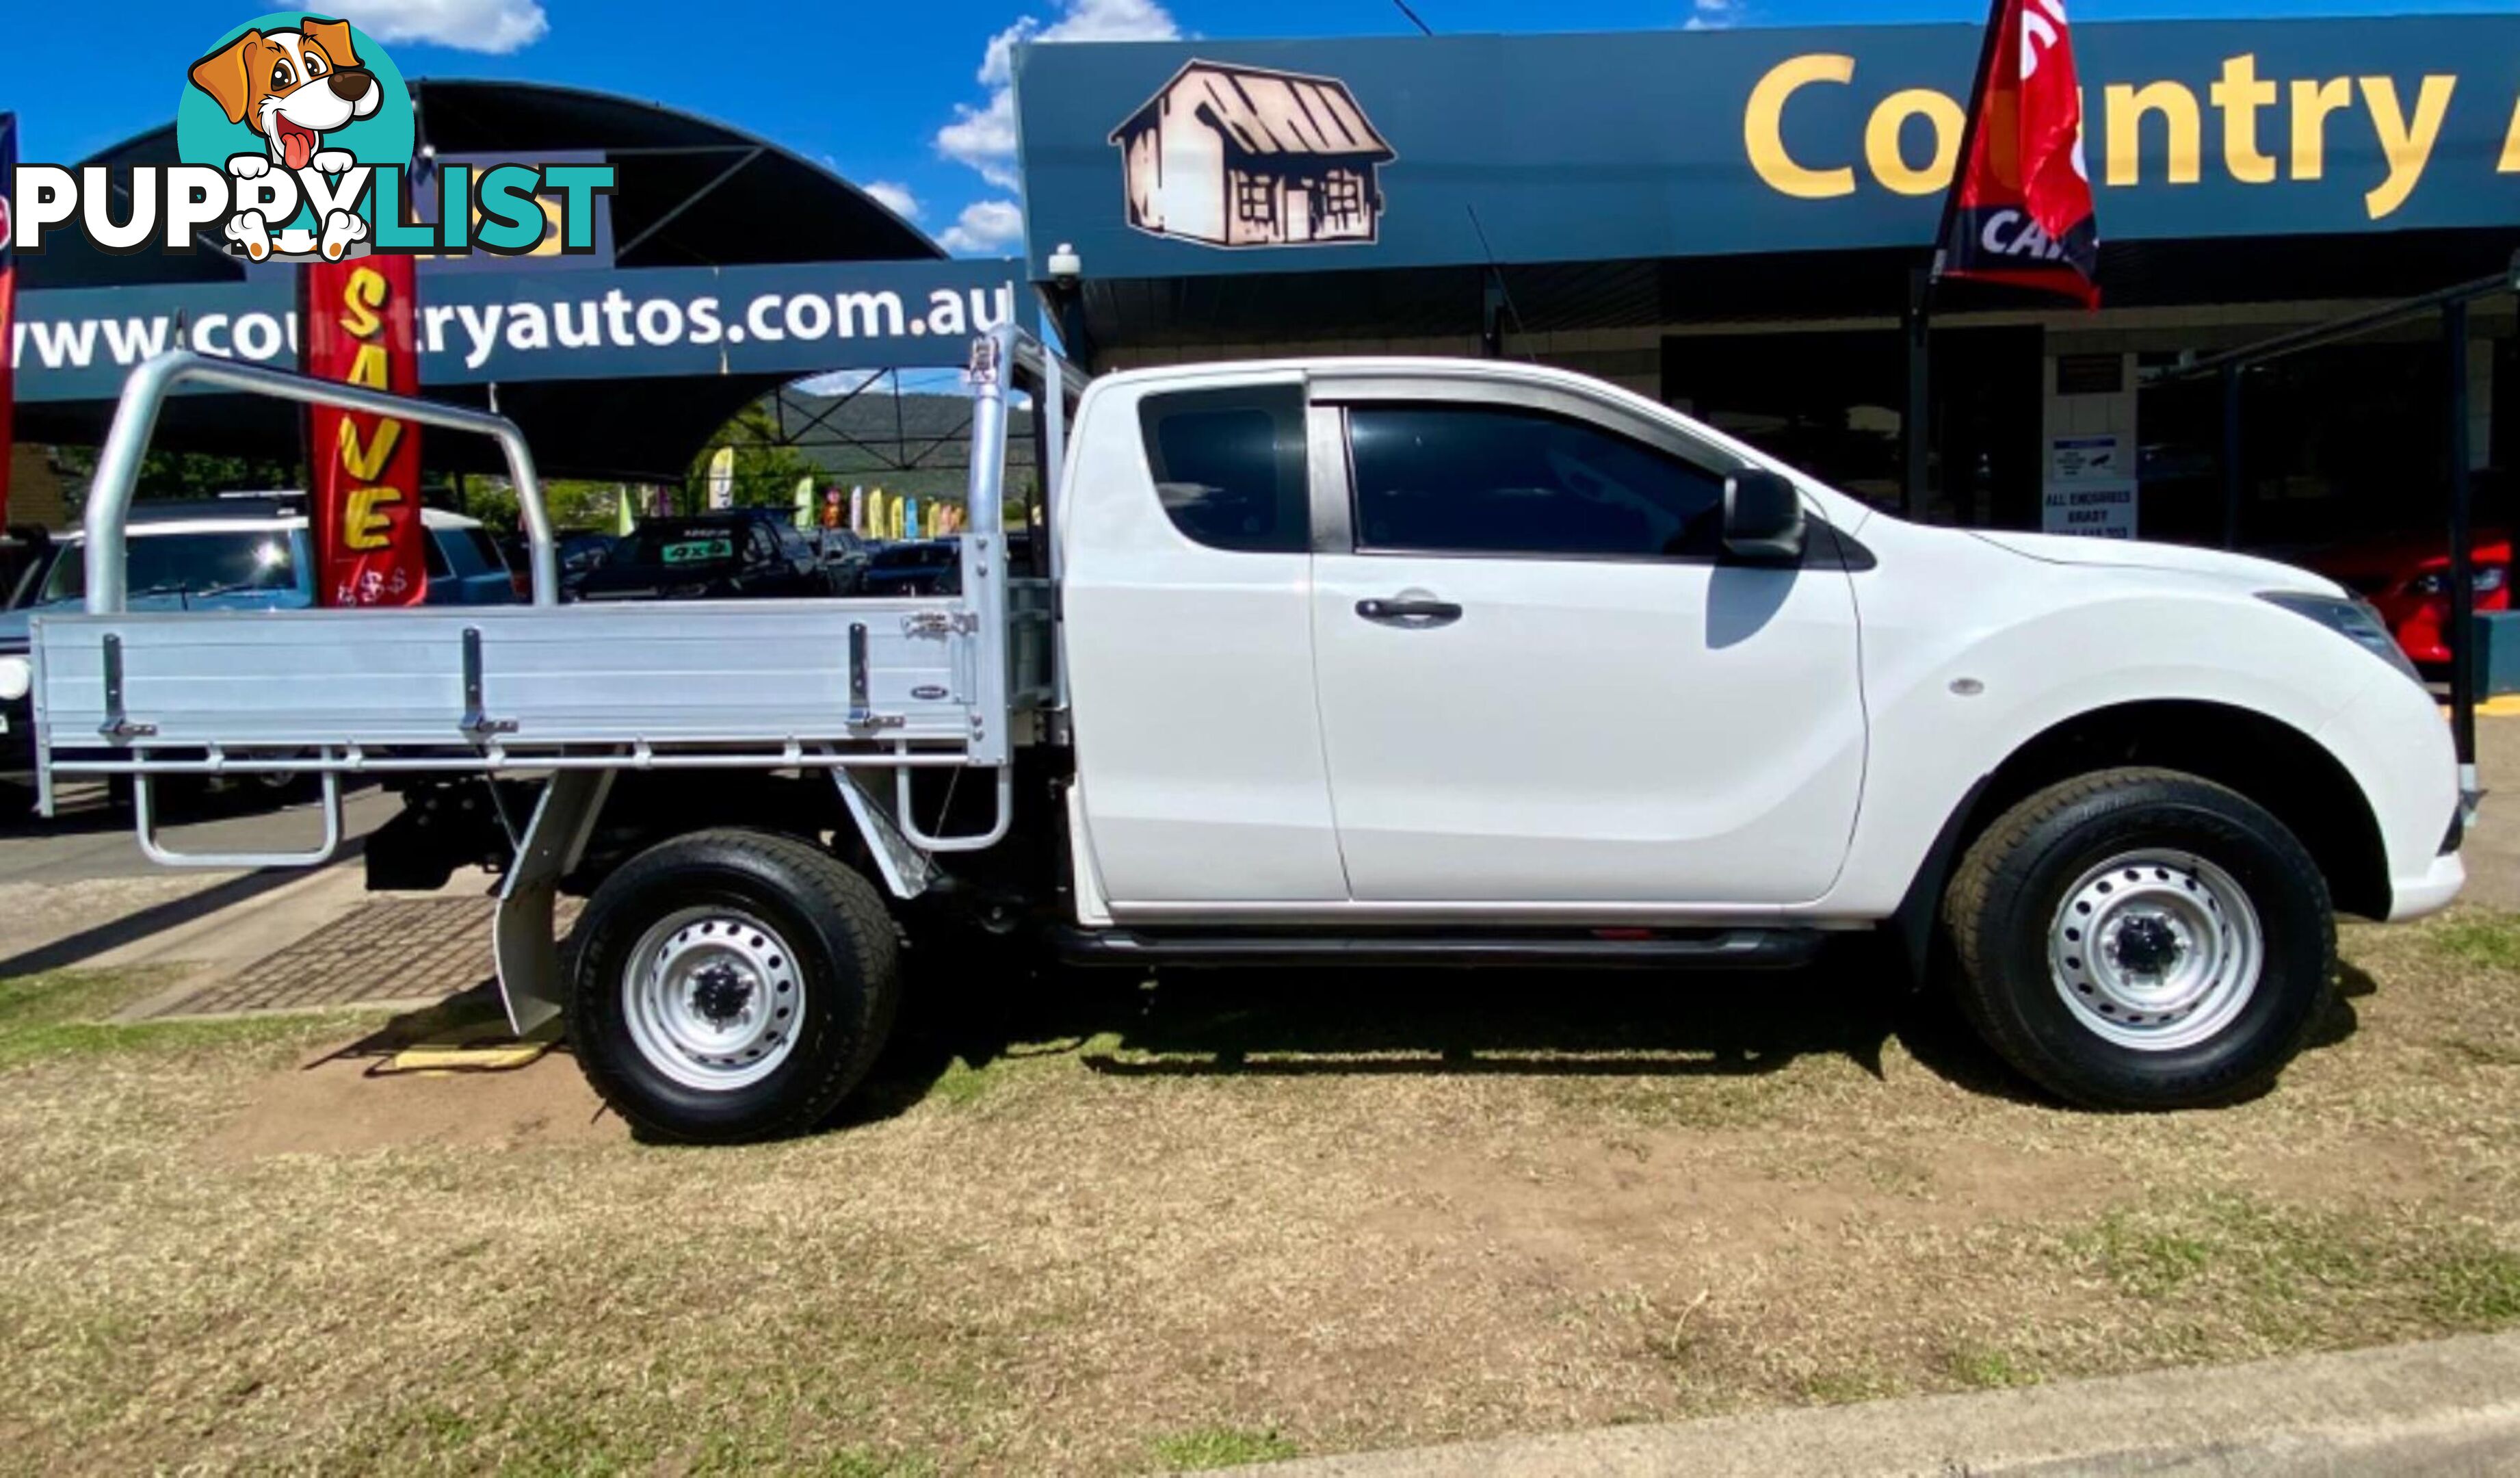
[907, 98]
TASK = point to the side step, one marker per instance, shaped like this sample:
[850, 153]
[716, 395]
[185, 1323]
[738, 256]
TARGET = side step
[1659, 949]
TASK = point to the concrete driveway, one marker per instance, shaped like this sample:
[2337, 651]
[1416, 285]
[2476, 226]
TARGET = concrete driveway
[75, 888]
[2443, 1408]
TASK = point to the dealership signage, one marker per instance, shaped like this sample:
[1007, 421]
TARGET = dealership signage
[77, 343]
[1169, 158]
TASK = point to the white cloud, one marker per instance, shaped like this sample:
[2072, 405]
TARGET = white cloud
[496, 27]
[984, 136]
[837, 382]
[1713, 14]
[985, 225]
[895, 198]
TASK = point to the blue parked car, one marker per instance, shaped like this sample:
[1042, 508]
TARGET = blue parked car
[227, 554]
[251, 554]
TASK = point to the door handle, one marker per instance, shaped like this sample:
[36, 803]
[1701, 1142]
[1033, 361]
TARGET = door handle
[1416, 614]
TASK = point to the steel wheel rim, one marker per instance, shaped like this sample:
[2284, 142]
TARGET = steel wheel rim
[712, 998]
[2156, 950]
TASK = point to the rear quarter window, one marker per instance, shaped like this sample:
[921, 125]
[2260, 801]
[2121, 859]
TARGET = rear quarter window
[1229, 466]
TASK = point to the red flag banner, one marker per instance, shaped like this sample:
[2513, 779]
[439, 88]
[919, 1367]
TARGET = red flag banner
[364, 493]
[7, 298]
[2021, 209]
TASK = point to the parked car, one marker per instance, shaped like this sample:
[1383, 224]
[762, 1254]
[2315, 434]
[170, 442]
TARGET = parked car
[580, 552]
[736, 554]
[251, 554]
[844, 554]
[2406, 579]
[24, 549]
[914, 567]
[584, 552]
[225, 554]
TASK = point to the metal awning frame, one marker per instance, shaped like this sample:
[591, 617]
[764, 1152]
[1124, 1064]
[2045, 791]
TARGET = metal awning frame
[2452, 304]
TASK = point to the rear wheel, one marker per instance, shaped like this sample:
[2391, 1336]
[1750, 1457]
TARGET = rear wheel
[2141, 939]
[732, 985]
[265, 788]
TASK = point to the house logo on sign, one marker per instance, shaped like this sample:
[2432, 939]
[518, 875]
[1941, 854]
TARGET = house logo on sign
[1231, 156]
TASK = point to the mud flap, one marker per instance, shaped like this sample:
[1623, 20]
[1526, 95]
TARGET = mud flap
[532, 983]
[906, 870]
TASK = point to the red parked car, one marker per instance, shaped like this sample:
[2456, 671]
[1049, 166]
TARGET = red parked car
[2407, 579]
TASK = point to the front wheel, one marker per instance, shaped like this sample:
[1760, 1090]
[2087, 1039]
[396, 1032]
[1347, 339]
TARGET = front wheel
[732, 985]
[2143, 939]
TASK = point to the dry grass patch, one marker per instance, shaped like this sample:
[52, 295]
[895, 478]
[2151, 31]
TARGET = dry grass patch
[1115, 1230]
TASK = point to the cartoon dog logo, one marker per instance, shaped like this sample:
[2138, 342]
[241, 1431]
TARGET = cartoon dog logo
[291, 86]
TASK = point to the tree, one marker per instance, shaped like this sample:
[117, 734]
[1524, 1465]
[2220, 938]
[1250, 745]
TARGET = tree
[766, 472]
[573, 504]
[182, 474]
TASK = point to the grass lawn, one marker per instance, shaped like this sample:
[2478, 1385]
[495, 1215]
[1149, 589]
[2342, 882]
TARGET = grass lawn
[1117, 1228]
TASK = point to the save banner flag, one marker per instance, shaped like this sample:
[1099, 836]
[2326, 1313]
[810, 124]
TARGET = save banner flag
[364, 504]
[2020, 211]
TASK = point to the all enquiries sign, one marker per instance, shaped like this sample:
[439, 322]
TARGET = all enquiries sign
[2091, 488]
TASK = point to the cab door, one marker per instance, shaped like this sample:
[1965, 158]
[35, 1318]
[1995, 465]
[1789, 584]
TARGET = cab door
[1541, 682]
[1187, 637]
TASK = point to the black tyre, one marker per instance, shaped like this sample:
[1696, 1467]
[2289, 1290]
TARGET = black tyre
[2144, 939]
[270, 788]
[732, 985]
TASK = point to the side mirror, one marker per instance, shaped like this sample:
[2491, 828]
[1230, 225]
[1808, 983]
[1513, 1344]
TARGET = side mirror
[1762, 516]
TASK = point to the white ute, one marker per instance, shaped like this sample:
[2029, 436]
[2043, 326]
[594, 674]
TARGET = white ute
[1353, 661]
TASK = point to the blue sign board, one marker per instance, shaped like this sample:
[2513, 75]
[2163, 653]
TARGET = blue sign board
[478, 326]
[1160, 160]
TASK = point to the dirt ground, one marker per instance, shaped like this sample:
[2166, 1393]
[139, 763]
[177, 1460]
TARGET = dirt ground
[1107, 1226]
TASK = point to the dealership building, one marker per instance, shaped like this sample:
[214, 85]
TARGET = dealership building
[1735, 223]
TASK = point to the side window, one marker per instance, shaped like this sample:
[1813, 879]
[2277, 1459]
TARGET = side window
[1230, 466]
[485, 551]
[1490, 480]
[433, 554]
